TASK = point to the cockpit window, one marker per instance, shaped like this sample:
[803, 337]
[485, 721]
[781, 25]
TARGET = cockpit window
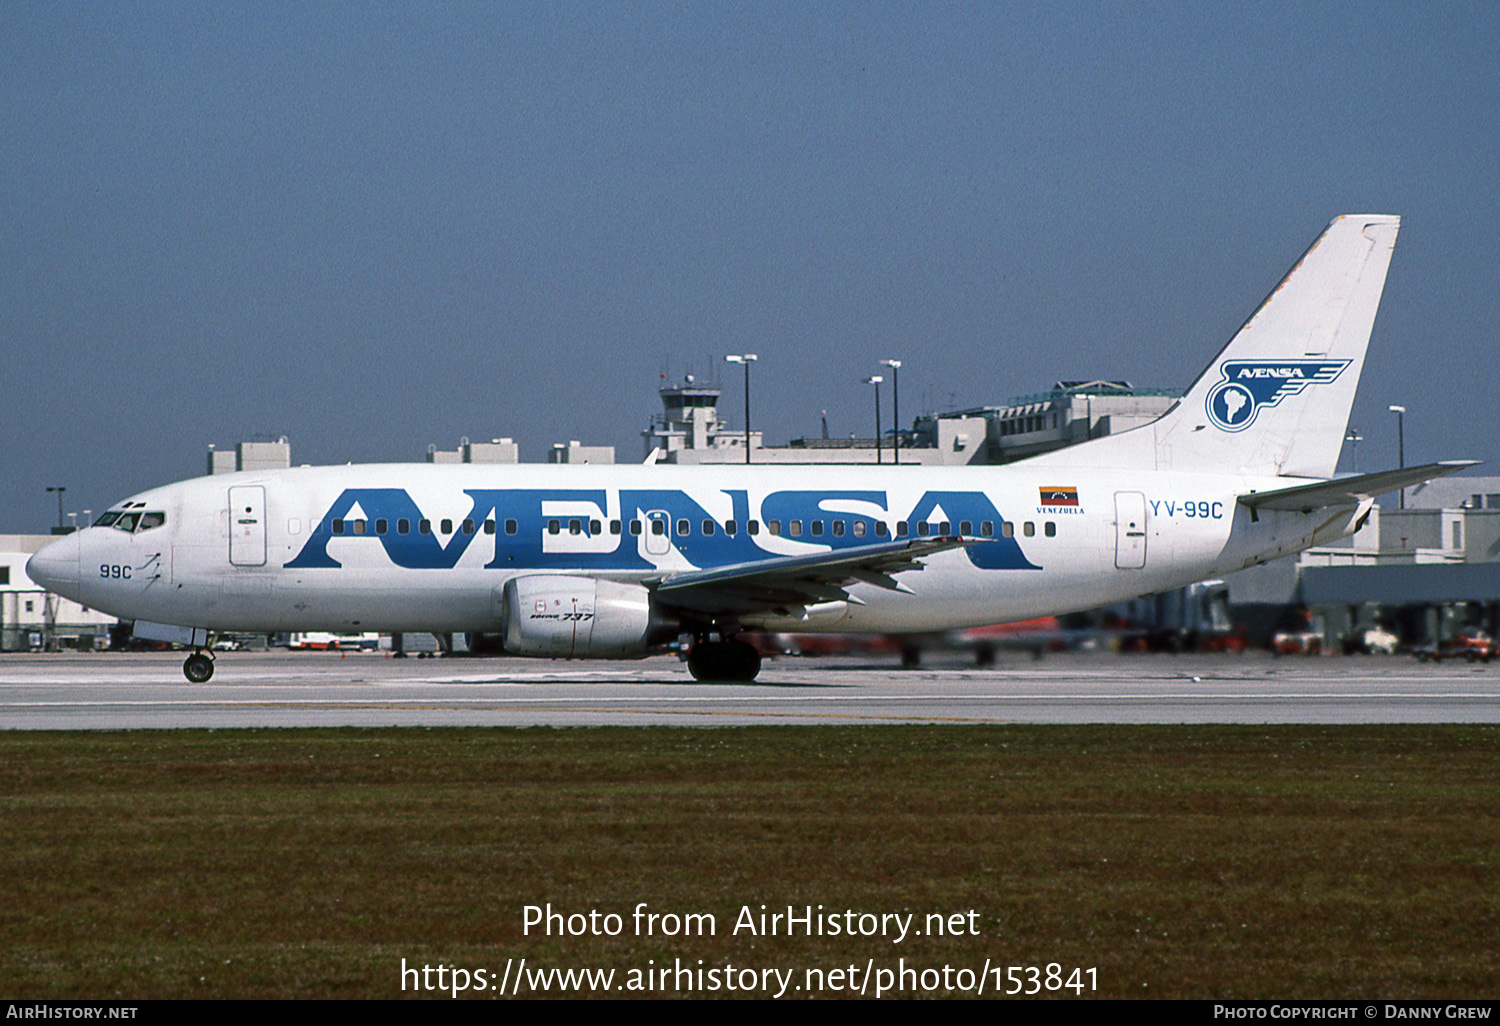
[128, 520]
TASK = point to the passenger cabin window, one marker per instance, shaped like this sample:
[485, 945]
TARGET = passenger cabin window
[658, 527]
[381, 525]
[880, 529]
[773, 526]
[554, 527]
[1029, 529]
[817, 528]
[682, 528]
[403, 526]
[1007, 529]
[575, 526]
[614, 527]
[489, 526]
[753, 527]
[596, 528]
[635, 528]
[795, 529]
[708, 528]
[729, 528]
[447, 526]
[511, 527]
[1050, 529]
[424, 526]
[338, 525]
[468, 525]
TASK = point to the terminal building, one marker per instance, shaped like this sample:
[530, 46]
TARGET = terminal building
[250, 456]
[1069, 413]
[33, 619]
[496, 450]
[689, 429]
[1425, 573]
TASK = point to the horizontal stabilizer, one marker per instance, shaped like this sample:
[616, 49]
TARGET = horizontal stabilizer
[1350, 491]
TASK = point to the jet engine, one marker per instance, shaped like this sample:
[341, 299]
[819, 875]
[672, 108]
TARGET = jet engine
[579, 618]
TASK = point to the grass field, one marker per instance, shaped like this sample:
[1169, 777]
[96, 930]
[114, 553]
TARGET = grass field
[1180, 861]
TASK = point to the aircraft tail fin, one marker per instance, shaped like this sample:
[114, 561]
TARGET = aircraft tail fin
[1276, 399]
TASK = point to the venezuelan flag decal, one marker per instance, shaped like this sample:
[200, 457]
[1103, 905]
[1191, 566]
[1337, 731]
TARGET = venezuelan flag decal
[1063, 495]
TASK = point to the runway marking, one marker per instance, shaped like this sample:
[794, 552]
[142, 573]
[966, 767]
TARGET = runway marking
[85, 693]
[843, 678]
[550, 704]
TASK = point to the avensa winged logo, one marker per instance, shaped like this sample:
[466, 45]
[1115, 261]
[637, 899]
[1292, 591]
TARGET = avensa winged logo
[1249, 385]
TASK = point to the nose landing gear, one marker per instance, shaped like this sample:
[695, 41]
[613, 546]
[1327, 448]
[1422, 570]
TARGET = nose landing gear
[199, 667]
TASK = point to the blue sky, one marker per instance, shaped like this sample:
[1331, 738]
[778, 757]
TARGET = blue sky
[373, 227]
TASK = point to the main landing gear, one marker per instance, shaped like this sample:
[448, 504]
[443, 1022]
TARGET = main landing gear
[725, 661]
[199, 667]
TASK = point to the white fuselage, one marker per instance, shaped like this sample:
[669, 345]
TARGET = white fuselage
[387, 547]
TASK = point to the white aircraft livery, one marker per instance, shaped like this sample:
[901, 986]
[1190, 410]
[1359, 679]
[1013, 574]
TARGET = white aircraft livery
[612, 561]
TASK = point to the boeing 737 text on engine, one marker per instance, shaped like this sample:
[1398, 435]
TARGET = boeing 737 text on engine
[612, 561]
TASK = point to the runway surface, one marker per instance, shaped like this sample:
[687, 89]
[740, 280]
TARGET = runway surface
[283, 689]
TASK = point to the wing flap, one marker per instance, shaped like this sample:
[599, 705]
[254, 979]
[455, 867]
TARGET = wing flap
[785, 582]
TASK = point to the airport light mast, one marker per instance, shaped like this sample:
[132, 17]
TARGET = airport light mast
[876, 380]
[745, 360]
[1400, 412]
[59, 490]
[895, 366]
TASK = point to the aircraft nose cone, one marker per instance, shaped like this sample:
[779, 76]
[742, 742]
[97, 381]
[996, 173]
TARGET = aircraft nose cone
[55, 567]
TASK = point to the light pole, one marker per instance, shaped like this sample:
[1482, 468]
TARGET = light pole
[895, 366]
[1353, 437]
[876, 380]
[59, 490]
[1400, 412]
[745, 360]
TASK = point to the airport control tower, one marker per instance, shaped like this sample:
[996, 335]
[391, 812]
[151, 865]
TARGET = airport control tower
[688, 430]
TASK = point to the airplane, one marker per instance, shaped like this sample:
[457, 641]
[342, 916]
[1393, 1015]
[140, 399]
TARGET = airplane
[608, 561]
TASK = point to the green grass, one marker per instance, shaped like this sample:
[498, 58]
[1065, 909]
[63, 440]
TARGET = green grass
[1181, 861]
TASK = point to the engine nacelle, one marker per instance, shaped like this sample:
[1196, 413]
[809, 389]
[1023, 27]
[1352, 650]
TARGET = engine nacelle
[579, 618]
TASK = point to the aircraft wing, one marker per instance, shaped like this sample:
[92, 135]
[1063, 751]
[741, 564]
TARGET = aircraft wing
[789, 582]
[1349, 491]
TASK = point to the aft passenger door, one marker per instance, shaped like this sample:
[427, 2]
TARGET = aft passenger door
[1130, 530]
[247, 525]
